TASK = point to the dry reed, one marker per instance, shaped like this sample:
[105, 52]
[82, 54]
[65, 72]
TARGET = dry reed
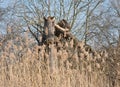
[21, 65]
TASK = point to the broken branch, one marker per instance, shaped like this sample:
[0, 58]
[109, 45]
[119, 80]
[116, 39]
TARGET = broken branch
[61, 29]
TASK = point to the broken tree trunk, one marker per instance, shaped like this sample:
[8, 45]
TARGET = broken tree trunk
[49, 28]
[52, 58]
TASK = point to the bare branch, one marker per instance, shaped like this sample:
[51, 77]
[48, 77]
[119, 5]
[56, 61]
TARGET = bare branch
[61, 29]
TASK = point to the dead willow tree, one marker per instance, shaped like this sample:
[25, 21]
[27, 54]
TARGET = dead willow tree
[53, 34]
[49, 28]
[48, 37]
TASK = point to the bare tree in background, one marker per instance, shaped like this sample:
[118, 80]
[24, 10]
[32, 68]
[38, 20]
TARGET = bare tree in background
[74, 11]
[116, 8]
[102, 26]
[88, 15]
[29, 15]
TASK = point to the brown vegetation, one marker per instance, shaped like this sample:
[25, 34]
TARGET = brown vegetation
[74, 64]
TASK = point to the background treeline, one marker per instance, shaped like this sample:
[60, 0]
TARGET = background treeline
[97, 22]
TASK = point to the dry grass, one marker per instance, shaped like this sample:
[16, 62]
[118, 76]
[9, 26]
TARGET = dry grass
[22, 66]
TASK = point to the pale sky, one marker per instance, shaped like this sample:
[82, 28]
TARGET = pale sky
[5, 3]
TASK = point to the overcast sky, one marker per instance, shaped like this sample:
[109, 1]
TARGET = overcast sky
[5, 3]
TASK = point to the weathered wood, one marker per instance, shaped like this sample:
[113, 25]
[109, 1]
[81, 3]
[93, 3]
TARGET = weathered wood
[61, 29]
[52, 58]
[49, 28]
[64, 24]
